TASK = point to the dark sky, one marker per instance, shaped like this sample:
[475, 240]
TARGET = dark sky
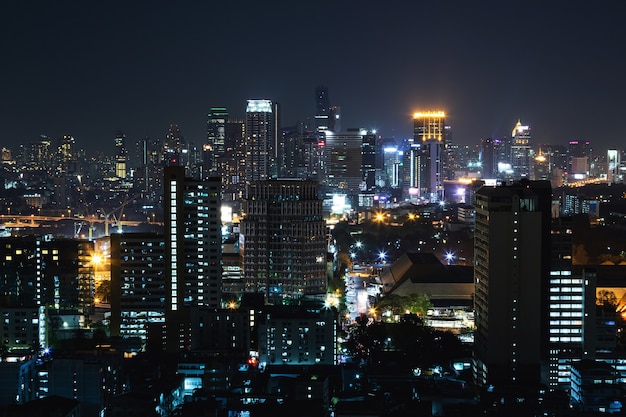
[91, 68]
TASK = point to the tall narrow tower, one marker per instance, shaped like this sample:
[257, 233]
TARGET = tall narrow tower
[121, 154]
[216, 139]
[521, 152]
[511, 273]
[429, 131]
[193, 249]
[261, 140]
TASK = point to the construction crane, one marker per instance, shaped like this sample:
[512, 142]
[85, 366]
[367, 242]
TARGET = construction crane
[111, 213]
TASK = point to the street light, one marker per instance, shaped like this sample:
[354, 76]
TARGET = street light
[449, 257]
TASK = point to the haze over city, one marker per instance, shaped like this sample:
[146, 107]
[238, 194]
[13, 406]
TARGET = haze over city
[90, 69]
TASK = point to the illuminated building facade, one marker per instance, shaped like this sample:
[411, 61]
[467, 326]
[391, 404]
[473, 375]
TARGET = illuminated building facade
[138, 285]
[283, 240]
[614, 174]
[193, 249]
[511, 274]
[262, 133]
[121, 155]
[521, 151]
[297, 335]
[344, 153]
[566, 304]
[429, 132]
[215, 147]
[579, 153]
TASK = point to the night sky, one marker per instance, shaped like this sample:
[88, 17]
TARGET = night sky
[91, 68]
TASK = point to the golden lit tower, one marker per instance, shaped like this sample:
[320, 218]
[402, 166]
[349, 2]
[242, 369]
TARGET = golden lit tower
[429, 132]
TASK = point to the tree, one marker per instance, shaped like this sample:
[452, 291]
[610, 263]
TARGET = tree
[606, 299]
[419, 304]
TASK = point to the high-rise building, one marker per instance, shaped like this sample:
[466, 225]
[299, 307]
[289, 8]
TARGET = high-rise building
[193, 249]
[488, 158]
[216, 139]
[614, 174]
[262, 134]
[322, 108]
[172, 146]
[283, 240]
[579, 153]
[566, 304]
[121, 155]
[138, 285]
[411, 172]
[392, 163]
[429, 132]
[521, 151]
[512, 270]
[368, 161]
[345, 159]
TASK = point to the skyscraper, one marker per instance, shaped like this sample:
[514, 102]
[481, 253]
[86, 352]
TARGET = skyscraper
[322, 108]
[344, 159]
[512, 270]
[488, 158]
[121, 154]
[429, 131]
[521, 151]
[193, 249]
[262, 133]
[283, 240]
[216, 139]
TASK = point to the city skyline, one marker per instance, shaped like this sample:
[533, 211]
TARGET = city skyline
[91, 71]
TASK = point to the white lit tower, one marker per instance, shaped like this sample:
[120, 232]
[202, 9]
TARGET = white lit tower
[262, 133]
[521, 152]
[429, 132]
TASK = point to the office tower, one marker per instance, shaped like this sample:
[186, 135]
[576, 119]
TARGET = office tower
[344, 159]
[566, 304]
[121, 155]
[512, 265]
[488, 158]
[66, 155]
[290, 151]
[452, 160]
[613, 174]
[262, 127]
[579, 153]
[216, 138]
[313, 157]
[172, 146]
[392, 163]
[429, 132]
[232, 167]
[193, 249]
[283, 240]
[138, 285]
[322, 108]
[411, 172]
[368, 161]
[521, 158]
